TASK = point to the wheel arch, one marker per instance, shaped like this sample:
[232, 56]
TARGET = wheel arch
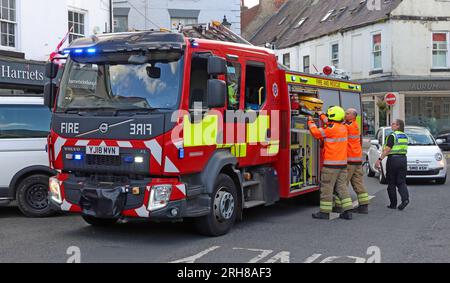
[27, 172]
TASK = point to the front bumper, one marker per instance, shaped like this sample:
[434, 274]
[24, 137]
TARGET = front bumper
[431, 174]
[129, 199]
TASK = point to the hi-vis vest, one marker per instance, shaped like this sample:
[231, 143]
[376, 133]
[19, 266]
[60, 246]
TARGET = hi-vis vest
[355, 152]
[401, 143]
[335, 138]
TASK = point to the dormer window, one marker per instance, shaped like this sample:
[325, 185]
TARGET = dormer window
[300, 23]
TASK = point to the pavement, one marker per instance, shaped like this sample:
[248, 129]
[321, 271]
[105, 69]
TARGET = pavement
[281, 233]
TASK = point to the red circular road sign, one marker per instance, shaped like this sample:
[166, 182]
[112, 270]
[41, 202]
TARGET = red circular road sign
[390, 99]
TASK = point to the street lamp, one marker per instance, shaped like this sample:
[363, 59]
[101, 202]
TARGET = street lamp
[226, 23]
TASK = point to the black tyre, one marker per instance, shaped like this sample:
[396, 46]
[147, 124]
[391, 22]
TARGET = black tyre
[224, 209]
[32, 196]
[98, 222]
[441, 181]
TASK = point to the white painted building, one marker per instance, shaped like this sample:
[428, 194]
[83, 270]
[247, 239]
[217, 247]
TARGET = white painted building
[400, 47]
[35, 27]
[155, 14]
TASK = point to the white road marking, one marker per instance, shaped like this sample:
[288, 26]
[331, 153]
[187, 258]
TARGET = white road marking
[312, 258]
[282, 257]
[194, 258]
[263, 254]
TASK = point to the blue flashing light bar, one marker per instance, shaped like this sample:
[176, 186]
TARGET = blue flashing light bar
[79, 51]
[91, 50]
[78, 156]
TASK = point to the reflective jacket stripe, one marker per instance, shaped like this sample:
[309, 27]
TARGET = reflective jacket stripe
[337, 140]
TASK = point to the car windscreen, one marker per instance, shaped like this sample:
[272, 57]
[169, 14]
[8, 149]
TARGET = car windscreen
[24, 121]
[417, 137]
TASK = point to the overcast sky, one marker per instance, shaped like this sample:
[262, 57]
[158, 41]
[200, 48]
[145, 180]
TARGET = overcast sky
[251, 3]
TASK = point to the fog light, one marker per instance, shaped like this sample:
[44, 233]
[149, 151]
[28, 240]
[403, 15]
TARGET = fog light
[55, 190]
[159, 197]
[139, 159]
[174, 212]
[69, 156]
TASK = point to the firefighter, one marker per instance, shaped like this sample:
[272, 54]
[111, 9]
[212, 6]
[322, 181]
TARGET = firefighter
[355, 161]
[334, 172]
[395, 149]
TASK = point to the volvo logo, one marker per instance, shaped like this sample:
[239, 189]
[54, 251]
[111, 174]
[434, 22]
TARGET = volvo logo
[104, 128]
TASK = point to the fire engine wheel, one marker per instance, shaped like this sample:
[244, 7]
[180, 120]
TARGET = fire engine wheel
[97, 222]
[32, 196]
[223, 209]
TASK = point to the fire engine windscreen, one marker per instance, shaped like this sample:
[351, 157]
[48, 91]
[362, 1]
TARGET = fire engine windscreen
[121, 85]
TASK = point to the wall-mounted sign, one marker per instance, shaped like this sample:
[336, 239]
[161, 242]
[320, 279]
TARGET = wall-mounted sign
[22, 73]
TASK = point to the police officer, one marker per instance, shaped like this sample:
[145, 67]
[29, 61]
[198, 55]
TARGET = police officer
[396, 149]
[334, 172]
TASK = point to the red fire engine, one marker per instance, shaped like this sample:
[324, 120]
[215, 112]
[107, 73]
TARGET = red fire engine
[165, 127]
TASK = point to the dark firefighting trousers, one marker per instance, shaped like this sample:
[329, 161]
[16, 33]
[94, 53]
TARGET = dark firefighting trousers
[334, 180]
[397, 168]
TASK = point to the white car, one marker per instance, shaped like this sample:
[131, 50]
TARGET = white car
[425, 158]
[24, 165]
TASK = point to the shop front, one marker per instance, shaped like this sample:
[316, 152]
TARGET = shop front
[418, 101]
[19, 76]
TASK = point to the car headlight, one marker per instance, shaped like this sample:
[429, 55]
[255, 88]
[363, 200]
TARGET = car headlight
[55, 190]
[159, 197]
[439, 156]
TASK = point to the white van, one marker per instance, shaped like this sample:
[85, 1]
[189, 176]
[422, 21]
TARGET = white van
[24, 171]
[425, 158]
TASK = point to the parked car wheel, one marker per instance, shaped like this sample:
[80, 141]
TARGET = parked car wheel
[32, 196]
[370, 172]
[97, 222]
[441, 181]
[224, 209]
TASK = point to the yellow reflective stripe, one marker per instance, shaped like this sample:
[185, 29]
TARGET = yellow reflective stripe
[239, 150]
[322, 82]
[203, 133]
[347, 202]
[337, 140]
[274, 147]
[257, 131]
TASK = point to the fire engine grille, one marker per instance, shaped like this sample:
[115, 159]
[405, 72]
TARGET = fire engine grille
[100, 160]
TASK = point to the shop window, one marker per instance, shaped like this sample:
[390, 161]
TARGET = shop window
[376, 52]
[76, 25]
[8, 23]
[426, 114]
[440, 50]
[255, 86]
[368, 118]
[234, 85]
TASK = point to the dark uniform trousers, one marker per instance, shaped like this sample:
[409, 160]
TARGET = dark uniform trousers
[397, 168]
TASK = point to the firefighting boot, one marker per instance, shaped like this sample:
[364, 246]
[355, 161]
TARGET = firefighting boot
[403, 205]
[346, 215]
[338, 210]
[362, 209]
[321, 215]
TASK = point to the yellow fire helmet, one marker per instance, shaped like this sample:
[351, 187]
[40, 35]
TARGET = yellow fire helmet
[336, 114]
[311, 103]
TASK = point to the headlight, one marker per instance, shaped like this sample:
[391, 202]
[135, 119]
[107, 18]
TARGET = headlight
[55, 190]
[159, 197]
[439, 156]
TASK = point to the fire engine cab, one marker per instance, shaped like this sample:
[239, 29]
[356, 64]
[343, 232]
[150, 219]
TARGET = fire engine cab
[165, 127]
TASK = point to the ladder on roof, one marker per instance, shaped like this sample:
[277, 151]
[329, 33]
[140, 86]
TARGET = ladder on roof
[212, 31]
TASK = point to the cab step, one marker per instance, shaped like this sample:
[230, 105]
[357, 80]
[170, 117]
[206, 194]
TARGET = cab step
[253, 203]
[249, 184]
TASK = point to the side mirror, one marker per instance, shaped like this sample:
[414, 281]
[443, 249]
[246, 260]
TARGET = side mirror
[50, 90]
[51, 70]
[154, 72]
[216, 66]
[440, 141]
[216, 93]
[375, 143]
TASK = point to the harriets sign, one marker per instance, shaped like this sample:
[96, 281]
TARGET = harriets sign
[22, 73]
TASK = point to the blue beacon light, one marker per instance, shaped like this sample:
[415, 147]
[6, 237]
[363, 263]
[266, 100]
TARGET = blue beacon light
[78, 156]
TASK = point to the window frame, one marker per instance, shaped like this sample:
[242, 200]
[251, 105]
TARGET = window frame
[9, 22]
[241, 70]
[447, 33]
[287, 56]
[335, 61]
[250, 62]
[373, 51]
[72, 34]
[309, 64]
